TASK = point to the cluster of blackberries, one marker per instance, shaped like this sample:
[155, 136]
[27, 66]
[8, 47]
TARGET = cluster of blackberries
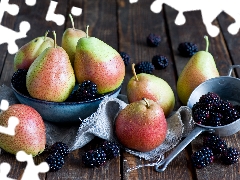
[18, 81]
[98, 157]
[214, 147]
[58, 151]
[87, 90]
[187, 49]
[211, 110]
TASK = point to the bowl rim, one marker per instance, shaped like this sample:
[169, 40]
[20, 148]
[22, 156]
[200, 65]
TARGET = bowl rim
[67, 103]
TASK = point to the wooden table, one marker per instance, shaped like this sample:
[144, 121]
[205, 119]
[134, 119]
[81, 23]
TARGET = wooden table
[125, 27]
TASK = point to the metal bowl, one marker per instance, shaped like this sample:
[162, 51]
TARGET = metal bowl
[64, 112]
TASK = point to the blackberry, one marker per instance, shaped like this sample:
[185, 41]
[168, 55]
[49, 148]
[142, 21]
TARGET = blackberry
[159, 62]
[55, 161]
[187, 49]
[61, 148]
[200, 116]
[87, 90]
[230, 156]
[111, 149]
[215, 119]
[215, 143]
[125, 57]
[144, 67]
[94, 158]
[18, 81]
[202, 158]
[153, 40]
[210, 97]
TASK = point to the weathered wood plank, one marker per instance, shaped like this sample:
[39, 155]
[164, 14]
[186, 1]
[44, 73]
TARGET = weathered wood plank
[136, 22]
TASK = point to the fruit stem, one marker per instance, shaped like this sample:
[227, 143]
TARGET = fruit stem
[134, 72]
[207, 43]
[55, 39]
[87, 31]
[46, 33]
[72, 21]
[147, 103]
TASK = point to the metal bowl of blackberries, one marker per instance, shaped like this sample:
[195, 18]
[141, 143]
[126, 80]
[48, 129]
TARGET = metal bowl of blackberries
[216, 103]
[74, 109]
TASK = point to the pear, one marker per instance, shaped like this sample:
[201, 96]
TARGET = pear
[98, 62]
[152, 87]
[141, 125]
[198, 69]
[30, 132]
[51, 77]
[70, 38]
[30, 51]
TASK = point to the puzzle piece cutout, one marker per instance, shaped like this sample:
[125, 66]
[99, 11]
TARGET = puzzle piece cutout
[30, 2]
[208, 12]
[4, 170]
[12, 121]
[59, 18]
[31, 171]
[12, 36]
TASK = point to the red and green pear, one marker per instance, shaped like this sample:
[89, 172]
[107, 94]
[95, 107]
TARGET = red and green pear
[98, 62]
[198, 69]
[70, 38]
[141, 125]
[30, 133]
[151, 87]
[30, 51]
[51, 77]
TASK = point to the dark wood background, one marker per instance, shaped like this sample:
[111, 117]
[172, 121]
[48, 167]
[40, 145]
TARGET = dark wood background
[125, 27]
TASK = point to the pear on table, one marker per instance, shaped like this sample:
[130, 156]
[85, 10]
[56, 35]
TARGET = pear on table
[30, 51]
[151, 87]
[198, 69]
[70, 38]
[30, 133]
[51, 77]
[98, 62]
[141, 125]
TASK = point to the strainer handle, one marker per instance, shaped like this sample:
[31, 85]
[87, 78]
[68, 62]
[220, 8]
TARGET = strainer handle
[162, 165]
[231, 69]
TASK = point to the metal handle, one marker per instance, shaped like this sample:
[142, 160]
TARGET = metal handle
[231, 69]
[162, 165]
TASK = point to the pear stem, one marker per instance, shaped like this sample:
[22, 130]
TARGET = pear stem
[147, 103]
[46, 33]
[55, 39]
[71, 18]
[207, 43]
[87, 31]
[134, 72]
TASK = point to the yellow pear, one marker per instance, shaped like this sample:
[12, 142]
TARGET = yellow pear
[199, 68]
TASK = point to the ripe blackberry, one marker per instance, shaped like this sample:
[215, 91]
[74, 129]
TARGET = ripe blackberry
[144, 67]
[55, 161]
[94, 158]
[201, 116]
[61, 148]
[18, 81]
[87, 90]
[215, 119]
[230, 156]
[159, 62]
[111, 149]
[202, 158]
[153, 40]
[209, 98]
[215, 143]
[125, 57]
[187, 49]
